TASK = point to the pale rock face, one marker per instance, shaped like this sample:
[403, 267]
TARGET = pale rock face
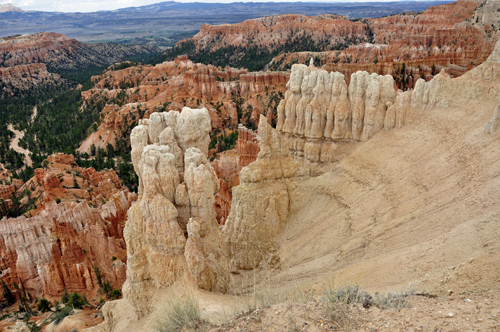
[320, 109]
[177, 184]
[193, 129]
[494, 124]
[260, 203]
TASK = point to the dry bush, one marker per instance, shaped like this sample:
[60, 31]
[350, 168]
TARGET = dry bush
[180, 312]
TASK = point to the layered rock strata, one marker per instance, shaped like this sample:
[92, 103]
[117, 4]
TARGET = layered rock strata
[56, 245]
[172, 230]
[23, 77]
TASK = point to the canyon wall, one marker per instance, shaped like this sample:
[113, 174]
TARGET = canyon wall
[59, 52]
[56, 245]
[172, 231]
[230, 95]
[367, 212]
[23, 77]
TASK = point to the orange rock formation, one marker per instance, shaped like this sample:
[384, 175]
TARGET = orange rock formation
[133, 93]
[55, 246]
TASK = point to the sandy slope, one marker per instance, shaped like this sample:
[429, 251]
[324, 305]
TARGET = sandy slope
[411, 205]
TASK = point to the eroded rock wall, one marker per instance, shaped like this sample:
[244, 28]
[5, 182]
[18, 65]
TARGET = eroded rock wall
[320, 110]
[57, 248]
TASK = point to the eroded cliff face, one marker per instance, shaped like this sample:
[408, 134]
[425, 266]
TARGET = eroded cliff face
[228, 165]
[57, 244]
[320, 111]
[231, 96]
[455, 36]
[261, 202]
[59, 52]
[172, 231]
[426, 187]
[23, 77]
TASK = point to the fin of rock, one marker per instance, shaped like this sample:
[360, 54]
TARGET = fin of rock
[319, 110]
[261, 202]
[172, 232]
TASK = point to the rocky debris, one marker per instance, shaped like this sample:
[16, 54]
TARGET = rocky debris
[176, 202]
[261, 202]
[467, 311]
[58, 245]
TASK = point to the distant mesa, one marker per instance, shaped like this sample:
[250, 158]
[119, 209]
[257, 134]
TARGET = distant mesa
[8, 7]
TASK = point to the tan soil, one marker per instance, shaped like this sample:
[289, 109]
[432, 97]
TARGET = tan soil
[465, 312]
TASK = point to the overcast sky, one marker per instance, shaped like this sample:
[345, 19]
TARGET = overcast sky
[95, 5]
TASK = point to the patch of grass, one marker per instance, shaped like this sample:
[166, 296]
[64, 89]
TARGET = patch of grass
[339, 303]
[179, 312]
[394, 301]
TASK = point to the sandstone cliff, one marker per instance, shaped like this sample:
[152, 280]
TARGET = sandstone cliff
[320, 110]
[421, 198]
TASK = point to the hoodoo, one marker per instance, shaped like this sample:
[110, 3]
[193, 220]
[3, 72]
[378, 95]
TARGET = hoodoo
[172, 231]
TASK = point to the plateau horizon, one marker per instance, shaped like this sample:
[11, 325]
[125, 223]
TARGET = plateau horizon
[74, 6]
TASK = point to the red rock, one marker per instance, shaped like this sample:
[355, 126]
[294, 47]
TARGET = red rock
[58, 247]
[6, 191]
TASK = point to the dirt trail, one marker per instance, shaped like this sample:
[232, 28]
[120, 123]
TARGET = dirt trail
[14, 144]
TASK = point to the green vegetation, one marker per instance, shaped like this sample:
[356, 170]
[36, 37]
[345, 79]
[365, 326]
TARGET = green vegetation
[76, 301]
[61, 314]
[255, 57]
[44, 305]
[223, 142]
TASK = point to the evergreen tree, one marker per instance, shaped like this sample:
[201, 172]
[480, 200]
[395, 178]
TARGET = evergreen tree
[8, 296]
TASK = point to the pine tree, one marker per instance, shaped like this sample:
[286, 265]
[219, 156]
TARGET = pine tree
[8, 296]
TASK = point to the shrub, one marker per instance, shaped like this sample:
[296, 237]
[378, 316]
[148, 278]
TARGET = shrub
[179, 312]
[44, 305]
[394, 301]
[107, 288]
[61, 314]
[113, 258]
[65, 296]
[76, 301]
[116, 294]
